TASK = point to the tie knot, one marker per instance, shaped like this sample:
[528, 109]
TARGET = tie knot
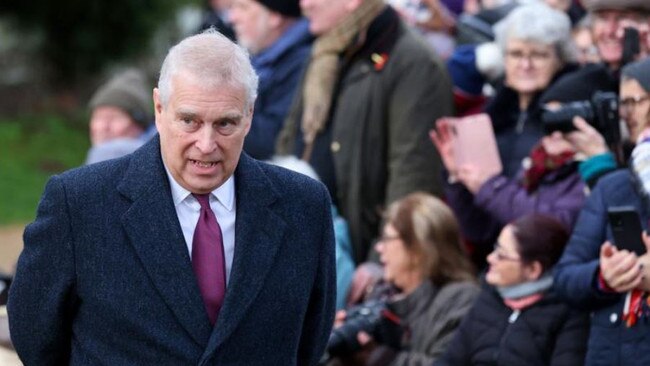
[204, 200]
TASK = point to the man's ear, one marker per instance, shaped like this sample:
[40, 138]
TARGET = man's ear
[533, 271]
[249, 117]
[157, 105]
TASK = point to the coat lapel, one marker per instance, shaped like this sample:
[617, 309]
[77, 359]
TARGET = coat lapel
[258, 234]
[152, 226]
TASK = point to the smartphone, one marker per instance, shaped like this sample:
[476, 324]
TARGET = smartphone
[626, 229]
[631, 45]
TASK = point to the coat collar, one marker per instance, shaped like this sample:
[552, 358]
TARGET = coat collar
[259, 231]
[152, 226]
[296, 35]
[415, 303]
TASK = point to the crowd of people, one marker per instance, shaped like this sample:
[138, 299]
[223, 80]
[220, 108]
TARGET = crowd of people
[433, 261]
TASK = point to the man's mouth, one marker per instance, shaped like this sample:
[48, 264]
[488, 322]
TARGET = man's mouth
[203, 164]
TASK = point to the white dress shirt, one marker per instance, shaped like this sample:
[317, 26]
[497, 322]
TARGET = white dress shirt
[222, 203]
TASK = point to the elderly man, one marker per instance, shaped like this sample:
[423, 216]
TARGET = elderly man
[279, 42]
[609, 19]
[186, 252]
[371, 92]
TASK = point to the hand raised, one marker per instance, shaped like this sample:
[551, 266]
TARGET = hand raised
[441, 137]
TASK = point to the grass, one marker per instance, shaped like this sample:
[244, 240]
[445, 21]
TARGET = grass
[31, 150]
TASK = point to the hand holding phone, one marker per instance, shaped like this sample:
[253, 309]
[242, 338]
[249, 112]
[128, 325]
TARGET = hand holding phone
[626, 229]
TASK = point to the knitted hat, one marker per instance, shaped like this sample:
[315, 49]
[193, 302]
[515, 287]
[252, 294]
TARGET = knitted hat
[595, 5]
[128, 91]
[463, 71]
[639, 71]
[289, 8]
[470, 66]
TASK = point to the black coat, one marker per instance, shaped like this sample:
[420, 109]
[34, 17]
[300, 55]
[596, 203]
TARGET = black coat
[547, 333]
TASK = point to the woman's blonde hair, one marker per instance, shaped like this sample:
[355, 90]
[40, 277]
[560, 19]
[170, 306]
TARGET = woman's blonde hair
[431, 235]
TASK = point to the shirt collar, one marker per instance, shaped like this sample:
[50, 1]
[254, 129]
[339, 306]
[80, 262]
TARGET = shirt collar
[225, 193]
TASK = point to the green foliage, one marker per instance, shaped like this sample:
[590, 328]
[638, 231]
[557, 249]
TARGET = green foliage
[81, 36]
[31, 150]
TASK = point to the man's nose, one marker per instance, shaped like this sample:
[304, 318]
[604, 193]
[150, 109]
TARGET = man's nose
[206, 140]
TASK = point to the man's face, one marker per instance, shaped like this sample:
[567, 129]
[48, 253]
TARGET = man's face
[607, 32]
[252, 23]
[109, 123]
[202, 131]
[324, 15]
[634, 107]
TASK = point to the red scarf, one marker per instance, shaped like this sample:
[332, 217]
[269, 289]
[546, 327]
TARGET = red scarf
[542, 163]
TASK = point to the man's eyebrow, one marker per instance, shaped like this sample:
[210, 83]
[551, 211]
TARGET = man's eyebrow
[234, 116]
[185, 114]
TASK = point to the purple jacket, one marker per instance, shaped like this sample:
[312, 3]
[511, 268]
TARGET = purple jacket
[500, 200]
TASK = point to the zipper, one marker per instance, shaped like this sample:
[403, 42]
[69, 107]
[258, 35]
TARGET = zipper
[521, 122]
[511, 320]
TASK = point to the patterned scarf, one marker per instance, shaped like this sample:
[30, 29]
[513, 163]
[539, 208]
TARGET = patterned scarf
[542, 163]
[323, 69]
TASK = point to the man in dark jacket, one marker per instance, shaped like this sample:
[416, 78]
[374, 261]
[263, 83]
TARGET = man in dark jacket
[186, 252]
[371, 92]
[279, 42]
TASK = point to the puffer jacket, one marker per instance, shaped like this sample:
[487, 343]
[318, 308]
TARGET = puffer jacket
[546, 333]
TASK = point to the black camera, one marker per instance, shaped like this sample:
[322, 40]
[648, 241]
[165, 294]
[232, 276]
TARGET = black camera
[601, 112]
[374, 318]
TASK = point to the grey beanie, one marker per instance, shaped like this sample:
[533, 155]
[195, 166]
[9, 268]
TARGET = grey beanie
[595, 5]
[128, 91]
[639, 71]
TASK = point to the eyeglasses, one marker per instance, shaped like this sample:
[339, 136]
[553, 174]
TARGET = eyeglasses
[535, 57]
[628, 104]
[387, 238]
[498, 252]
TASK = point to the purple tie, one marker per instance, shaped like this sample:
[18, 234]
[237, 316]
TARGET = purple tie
[208, 260]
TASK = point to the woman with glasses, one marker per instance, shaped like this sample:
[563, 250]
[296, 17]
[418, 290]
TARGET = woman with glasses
[422, 257]
[539, 173]
[635, 98]
[517, 319]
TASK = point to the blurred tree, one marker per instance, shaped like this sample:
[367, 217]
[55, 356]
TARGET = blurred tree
[80, 37]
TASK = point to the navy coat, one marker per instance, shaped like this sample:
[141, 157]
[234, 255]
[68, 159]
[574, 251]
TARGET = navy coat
[610, 341]
[549, 332]
[105, 277]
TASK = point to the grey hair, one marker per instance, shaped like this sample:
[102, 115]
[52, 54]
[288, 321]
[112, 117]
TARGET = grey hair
[213, 59]
[538, 22]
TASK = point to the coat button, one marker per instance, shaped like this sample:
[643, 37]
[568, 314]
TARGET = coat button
[335, 146]
[613, 318]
